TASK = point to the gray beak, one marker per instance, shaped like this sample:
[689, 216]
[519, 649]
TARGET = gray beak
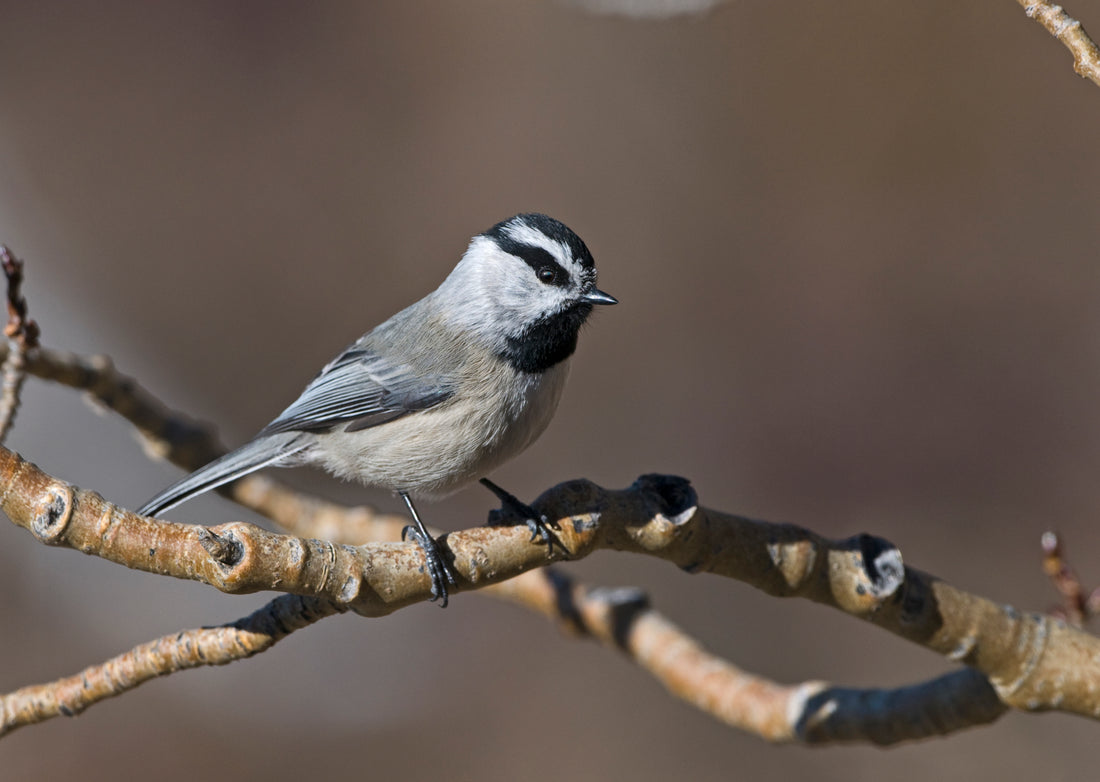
[596, 296]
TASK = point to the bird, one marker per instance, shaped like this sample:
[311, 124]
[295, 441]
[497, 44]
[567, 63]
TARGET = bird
[443, 392]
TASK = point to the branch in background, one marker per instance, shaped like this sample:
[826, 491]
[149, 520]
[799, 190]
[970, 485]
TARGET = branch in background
[22, 336]
[1077, 607]
[1086, 57]
[177, 652]
[811, 712]
[167, 434]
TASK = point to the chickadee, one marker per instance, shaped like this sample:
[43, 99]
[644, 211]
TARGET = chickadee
[444, 391]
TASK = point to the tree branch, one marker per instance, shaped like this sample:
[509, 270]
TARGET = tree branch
[1086, 57]
[22, 336]
[1077, 606]
[1032, 661]
[177, 652]
[811, 712]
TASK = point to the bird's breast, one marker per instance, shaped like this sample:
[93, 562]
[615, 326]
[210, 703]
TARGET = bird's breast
[433, 452]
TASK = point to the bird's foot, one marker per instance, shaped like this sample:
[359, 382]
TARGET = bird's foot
[438, 569]
[512, 510]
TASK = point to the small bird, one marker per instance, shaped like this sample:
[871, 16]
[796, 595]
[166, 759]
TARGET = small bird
[446, 390]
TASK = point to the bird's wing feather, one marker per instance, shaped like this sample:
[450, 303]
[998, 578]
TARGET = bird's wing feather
[362, 389]
[252, 456]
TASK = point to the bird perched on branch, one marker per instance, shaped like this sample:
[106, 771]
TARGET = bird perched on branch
[446, 390]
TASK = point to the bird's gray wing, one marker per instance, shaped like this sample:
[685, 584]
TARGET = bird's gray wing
[361, 389]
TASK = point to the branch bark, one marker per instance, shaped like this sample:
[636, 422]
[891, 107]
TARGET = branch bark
[22, 335]
[1086, 56]
[1032, 661]
[255, 633]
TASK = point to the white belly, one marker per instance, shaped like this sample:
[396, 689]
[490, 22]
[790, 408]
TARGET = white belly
[434, 452]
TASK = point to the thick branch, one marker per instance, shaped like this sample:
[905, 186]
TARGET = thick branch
[622, 619]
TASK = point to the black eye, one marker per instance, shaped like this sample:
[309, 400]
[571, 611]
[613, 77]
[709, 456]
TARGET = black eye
[547, 274]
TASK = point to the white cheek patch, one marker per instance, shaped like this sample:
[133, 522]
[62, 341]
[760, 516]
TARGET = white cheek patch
[497, 294]
[532, 300]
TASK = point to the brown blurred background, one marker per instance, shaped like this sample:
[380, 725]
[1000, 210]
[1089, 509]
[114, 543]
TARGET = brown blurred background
[856, 249]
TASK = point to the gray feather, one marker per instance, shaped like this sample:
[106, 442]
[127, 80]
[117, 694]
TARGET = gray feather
[361, 389]
[261, 452]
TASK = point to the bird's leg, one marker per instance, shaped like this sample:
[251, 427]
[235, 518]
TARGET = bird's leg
[511, 510]
[440, 573]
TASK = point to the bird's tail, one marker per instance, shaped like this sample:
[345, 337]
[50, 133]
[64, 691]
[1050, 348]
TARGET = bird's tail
[277, 449]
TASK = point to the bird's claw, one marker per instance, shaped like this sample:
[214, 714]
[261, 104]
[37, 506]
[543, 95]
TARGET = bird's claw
[512, 510]
[440, 573]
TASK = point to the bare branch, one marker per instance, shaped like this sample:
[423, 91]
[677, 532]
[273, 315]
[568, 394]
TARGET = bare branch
[1086, 57]
[811, 712]
[177, 652]
[168, 434]
[623, 620]
[1033, 661]
[1077, 606]
[22, 336]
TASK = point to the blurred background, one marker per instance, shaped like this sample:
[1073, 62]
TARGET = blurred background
[856, 250]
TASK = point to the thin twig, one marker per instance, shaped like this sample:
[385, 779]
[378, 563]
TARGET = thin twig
[22, 336]
[1086, 56]
[1077, 606]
